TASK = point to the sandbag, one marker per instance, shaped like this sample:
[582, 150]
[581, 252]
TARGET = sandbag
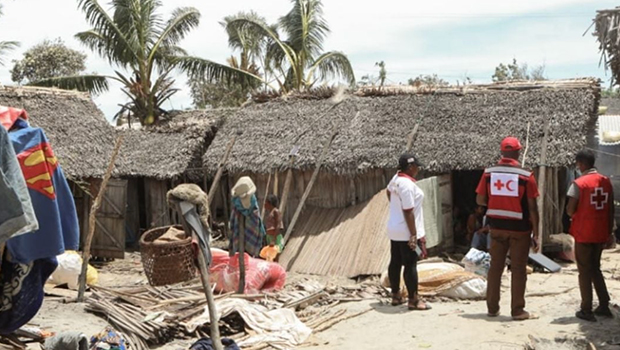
[69, 269]
[260, 275]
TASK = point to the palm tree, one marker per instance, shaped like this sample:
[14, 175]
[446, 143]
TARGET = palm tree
[136, 38]
[297, 62]
[6, 46]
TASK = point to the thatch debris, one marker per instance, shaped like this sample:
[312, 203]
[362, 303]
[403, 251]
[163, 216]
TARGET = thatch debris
[606, 24]
[153, 316]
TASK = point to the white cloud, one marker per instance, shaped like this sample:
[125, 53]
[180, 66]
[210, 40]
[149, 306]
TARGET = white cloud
[392, 30]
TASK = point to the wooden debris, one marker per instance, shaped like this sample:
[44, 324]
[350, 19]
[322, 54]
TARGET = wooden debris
[150, 316]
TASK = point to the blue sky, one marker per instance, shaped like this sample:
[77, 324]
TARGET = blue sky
[452, 39]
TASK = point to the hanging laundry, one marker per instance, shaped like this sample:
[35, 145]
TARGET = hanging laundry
[16, 214]
[49, 191]
[30, 259]
[22, 291]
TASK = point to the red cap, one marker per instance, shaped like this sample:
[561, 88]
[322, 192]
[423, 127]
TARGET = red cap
[510, 144]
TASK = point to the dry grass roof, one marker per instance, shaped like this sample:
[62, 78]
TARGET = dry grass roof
[174, 148]
[83, 139]
[460, 128]
[79, 133]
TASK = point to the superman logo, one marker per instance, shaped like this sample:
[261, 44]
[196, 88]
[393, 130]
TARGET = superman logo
[38, 165]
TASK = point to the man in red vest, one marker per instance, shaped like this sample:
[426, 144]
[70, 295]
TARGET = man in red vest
[509, 192]
[591, 208]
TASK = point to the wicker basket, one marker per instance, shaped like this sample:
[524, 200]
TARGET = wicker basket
[166, 263]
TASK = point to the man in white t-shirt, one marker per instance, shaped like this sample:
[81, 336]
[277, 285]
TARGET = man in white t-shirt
[406, 230]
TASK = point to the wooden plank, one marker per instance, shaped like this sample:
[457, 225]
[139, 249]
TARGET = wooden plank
[117, 210]
[108, 234]
[158, 213]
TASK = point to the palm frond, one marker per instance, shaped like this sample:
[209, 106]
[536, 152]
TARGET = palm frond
[117, 47]
[216, 72]
[5, 47]
[183, 20]
[247, 24]
[93, 84]
[249, 41]
[331, 65]
[306, 28]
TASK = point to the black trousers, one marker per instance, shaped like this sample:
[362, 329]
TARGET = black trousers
[403, 255]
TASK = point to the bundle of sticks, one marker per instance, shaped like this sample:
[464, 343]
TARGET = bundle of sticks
[149, 316]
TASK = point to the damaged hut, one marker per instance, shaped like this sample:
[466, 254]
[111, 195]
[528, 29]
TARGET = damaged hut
[150, 163]
[342, 229]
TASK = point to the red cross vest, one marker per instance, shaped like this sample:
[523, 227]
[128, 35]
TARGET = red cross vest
[507, 206]
[590, 223]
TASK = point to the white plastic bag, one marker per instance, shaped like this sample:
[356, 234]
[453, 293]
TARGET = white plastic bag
[477, 261]
[68, 271]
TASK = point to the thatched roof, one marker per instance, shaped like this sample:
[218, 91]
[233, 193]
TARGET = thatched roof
[83, 140]
[460, 128]
[80, 136]
[174, 148]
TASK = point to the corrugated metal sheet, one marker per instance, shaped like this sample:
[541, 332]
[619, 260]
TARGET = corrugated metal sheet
[608, 123]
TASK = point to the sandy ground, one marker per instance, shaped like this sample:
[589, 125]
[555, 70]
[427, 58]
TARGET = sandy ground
[464, 325]
[450, 325]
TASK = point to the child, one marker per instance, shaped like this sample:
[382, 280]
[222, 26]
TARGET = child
[273, 223]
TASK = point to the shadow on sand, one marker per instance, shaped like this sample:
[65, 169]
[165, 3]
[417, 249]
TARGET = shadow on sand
[484, 317]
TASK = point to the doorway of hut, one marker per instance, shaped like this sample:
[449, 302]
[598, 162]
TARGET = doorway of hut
[464, 185]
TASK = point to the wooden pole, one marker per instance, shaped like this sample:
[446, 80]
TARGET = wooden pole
[527, 144]
[287, 186]
[241, 252]
[206, 284]
[220, 167]
[411, 137]
[315, 174]
[92, 220]
[337, 99]
[262, 214]
[542, 179]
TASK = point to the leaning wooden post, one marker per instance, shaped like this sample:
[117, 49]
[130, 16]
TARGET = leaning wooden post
[411, 137]
[288, 181]
[205, 280]
[527, 145]
[315, 175]
[241, 252]
[92, 220]
[542, 179]
[220, 167]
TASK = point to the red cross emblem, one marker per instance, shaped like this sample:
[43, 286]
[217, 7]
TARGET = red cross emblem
[499, 185]
[599, 198]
